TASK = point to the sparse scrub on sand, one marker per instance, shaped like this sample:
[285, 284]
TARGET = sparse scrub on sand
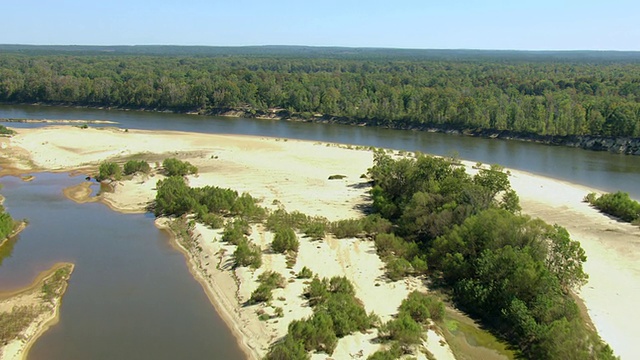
[617, 204]
[268, 281]
[337, 313]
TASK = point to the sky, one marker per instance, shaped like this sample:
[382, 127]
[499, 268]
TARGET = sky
[426, 24]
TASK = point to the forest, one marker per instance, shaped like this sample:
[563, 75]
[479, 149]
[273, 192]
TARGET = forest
[538, 93]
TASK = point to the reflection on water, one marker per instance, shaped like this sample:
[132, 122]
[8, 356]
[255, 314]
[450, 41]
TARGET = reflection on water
[600, 170]
[131, 295]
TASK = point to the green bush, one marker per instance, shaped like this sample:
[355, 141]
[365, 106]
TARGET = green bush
[261, 294]
[134, 166]
[247, 254]
[173, 197]
[234, 232]
[346, 228]
[212, 220]
[109, 170]
[421, 307]
[404, 330]
[289, 348]
[618, 204]
[305, 273]
[5, 131]
[397, 268]
[285, 240]
[175, 167]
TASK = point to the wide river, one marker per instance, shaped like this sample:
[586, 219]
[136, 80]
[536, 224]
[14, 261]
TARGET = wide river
[131, 295]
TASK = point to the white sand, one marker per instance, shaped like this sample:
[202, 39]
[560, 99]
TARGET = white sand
[295, 173]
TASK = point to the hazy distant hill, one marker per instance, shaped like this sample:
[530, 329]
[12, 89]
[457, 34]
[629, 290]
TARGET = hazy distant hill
[328, 52]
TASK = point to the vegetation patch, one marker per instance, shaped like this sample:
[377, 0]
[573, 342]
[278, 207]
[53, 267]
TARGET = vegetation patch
[618, 204]
[337, 177]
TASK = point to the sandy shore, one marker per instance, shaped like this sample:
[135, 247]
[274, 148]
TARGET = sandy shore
[47, 312]
[294, 174]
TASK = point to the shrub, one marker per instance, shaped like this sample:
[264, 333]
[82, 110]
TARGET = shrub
[404, 330]
[212, 220]
[289, 348]
[337, 177]
[397, 268]
[175, 167]
[346, 228]
[421, 307]
[315, 228]
[109, 170]
[134, 166]
[618, 204]
[173, 197]
[247, 254]
[285, 240]
[261, 294]
[305, 273]
[5, 131]
[234, 232]
[272, 279]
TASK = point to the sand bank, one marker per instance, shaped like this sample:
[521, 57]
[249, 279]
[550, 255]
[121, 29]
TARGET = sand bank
[42, 314]
[294, 174]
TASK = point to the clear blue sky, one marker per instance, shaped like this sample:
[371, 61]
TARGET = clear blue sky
[426, 24]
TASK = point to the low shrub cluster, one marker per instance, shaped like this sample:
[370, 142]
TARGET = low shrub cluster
[618, 204]
[134, 166]
[268, 281]
[337, 313]
[175, 167]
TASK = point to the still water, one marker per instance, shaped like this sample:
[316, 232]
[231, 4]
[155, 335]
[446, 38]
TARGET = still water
[131, 295]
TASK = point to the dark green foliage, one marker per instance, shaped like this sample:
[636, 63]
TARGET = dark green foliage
[173, 197]
[556, 94]
[618, 204]
[261, 294]
[272, 279]
[422, 307]
[512, 272]
[289, 348]
[212, 220]
[175, 167]
[404, 330]
[109, 171]
[5, 131]
[280, 218]
[392, 354]
[284, 240]
[337, 313]
[375, 224]
[235, 231]
[346, 228]
[134, 166]
[305, 273]
[7, 224]
[247, 254]
[315, 228]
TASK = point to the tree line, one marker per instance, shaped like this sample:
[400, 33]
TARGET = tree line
[544, 96]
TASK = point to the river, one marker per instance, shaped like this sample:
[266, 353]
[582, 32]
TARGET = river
[131, 295]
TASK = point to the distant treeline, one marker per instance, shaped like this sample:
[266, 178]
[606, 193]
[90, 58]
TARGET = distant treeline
[530, 93]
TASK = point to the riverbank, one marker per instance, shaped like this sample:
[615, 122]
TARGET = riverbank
[27, 313]
[294, 174]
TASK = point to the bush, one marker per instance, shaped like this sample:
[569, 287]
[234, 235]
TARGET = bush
[404, 330]
[346, 228]
[289, 348]
[285, 240]
[134, 166]
[5, 131]
[173, 197]
[175, 167]
[247, 254]
[618, 204]
[212, 220]
[272, 279]
[421, 307]
[305, 273]
[234, 232]
[109, 170]
[315, 228]
[261, 294]
[397, 268]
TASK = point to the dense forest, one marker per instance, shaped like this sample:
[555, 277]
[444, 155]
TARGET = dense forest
[544, 93]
